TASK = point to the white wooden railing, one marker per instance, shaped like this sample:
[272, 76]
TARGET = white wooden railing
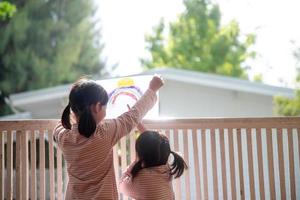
[242, 158]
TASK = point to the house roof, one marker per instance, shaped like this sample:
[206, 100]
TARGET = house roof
[180, 75]
[224, 82]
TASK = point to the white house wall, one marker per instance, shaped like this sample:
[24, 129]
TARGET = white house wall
[46, 109]
[178, 99]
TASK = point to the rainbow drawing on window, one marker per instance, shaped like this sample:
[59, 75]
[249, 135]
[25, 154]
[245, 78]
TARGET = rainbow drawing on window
[125, 93]
[125, 87]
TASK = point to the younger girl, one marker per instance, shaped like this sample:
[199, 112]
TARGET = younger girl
[87, 144]
[150, 176]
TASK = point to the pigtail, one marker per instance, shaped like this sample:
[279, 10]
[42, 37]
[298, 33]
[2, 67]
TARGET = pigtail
[87, 123]
[136, 168]
[65, 118]
[178, 165]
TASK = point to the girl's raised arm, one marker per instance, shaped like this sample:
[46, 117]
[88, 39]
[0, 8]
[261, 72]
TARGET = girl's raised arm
[124, 124]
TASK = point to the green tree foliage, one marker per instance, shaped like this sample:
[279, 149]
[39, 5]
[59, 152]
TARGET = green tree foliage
[47, 43]
[290, 106]
[197, 41]
[7, 10]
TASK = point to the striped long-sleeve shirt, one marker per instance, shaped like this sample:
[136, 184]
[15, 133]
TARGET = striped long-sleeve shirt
[90, 160]
[149, 183]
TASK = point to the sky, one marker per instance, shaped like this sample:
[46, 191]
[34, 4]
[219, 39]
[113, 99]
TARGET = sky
[125, 23]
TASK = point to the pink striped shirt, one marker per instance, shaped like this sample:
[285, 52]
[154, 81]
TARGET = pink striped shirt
[90, 160]
[149, 184]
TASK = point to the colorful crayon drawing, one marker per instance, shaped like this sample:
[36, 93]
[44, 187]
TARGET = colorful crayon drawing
[126, 91]
[125, 87]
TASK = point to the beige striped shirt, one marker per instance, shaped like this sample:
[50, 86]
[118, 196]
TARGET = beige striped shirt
[90, 160]
[151, 183]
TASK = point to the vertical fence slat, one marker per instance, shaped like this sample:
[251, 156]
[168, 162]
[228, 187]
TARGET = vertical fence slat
[298, 132]
[132, 146]
[116, 162]
[196, 161]
[9, 177]
[204, 161]
[260, 164]
[24, 165]
[223, 163]
[186, 158]
[66, 176]
[232, 166]
[177, 181]
[271, 164]
[18, 165]
[240, 157]
[2, 169]
[291, 162]
[42, 185]
[59, 174]
[33, 166]
[123, 158]
[123, 154]
[250, 163]
[214, 164]
[51, 165]
[281, 163]
[116, 165]
[168, 133]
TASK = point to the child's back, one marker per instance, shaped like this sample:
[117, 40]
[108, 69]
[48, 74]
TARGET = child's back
[150, 176]
[89, 165]
[89, 152]
[151, 183]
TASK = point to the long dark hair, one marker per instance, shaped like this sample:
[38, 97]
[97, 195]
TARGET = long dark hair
[153, 149]
[84, 93]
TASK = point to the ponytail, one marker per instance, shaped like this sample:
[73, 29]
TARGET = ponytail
[136, 168]
[65, 118]
[87, 123]
[178, 165]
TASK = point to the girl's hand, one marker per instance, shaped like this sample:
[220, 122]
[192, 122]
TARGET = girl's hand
[156, 83]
